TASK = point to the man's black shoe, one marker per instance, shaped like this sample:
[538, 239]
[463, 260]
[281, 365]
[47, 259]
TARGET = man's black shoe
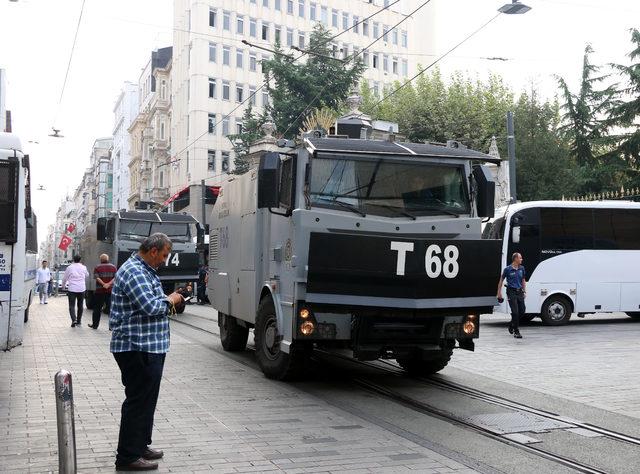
[517, 334]
[73, 324]
[151, 454]
[139, 465]
[510, 329]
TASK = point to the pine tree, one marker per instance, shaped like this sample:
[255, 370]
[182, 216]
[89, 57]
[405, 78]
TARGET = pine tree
[241, 142]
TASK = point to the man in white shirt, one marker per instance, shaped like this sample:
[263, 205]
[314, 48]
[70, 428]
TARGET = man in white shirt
[43, 277]
[75, 275]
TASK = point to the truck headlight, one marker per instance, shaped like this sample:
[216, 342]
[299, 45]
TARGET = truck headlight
[469, 327]
[304, 313]
[307, 328]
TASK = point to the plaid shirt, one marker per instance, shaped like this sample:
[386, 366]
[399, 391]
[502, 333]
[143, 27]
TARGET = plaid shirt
[139, 308]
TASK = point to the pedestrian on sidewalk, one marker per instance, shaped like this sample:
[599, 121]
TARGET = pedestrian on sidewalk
[139, 343]
[75, 275]
[104, 275]
[43, 277]
[203, 277]
[515, 275]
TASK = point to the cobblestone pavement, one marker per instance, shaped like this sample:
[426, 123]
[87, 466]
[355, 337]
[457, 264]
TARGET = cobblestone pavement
[214, 414]
[592, 360]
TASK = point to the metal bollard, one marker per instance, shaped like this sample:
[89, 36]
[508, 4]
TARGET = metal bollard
[66, 423]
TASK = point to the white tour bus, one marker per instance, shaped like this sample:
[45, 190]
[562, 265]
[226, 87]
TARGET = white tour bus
[580, 257]
[18, 241]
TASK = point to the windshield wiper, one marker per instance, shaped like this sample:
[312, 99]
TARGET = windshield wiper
[393, 208]
[437, 209]
[351, 207]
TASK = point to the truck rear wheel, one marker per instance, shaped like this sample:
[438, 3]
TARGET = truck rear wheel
[417, 366]
[276, 364]
[232, 335]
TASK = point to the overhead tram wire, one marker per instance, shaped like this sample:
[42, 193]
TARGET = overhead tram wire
[352, 57]
[440, 58]
[189, 145]
[66, 75]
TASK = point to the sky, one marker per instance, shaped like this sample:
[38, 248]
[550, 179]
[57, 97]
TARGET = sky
[116, 38]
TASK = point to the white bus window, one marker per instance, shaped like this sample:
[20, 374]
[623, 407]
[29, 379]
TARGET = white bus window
[617, 229]
[567, 228]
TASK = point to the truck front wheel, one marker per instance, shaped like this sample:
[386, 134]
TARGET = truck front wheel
[276, 364]
[232, 335]
[417, 366]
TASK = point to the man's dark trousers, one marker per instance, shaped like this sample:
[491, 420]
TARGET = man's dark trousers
[99, 299]
[75, 298]
[141, 375]
[516, 303]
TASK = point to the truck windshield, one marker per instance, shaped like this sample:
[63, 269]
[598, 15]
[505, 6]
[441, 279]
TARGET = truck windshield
[138, 230]
[388, 188]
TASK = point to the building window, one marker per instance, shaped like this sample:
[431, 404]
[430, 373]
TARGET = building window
[385, 63]
[277, 31]
[312, 11]
[301, 8]
[238, 128]
[385, 32]
[161, 130]
[265, 98]
[225, 126]
[239, 93]
[394, 36]
[265, 3]
[301, 40]
[374, 57]
[277, 5]
[226, 55]
[212, 52]
[376, 29]
[394, 66]
[324, 15]
[365, 58]
[161, 180]
[226, 21]
[212, 17]
[289, 37]
[376, 88]
[252, 95]
[405, 67]
[345, 21]
[265, 31]
[240, 24]
[163, 89]
[212, 123]
[334, 18]
[211, 160]
[404, 39]
[253, 62]
[345, 51]
[290, 7]
[253, 27]
[356, 24]
[365, 27]
[225, 161]
[212, 88]
[239, 58]
[226, 90]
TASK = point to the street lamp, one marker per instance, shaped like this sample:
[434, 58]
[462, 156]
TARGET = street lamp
[514, 8]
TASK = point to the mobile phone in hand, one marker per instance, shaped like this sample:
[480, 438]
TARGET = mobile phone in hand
[188, 298]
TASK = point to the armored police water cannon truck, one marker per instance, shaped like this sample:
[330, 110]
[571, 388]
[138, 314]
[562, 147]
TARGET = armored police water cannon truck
[119, 236]
[369, 245]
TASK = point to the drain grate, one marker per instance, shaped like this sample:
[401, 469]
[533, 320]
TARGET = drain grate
[516, 422]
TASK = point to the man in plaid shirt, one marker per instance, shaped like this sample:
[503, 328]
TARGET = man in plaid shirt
[139, 342]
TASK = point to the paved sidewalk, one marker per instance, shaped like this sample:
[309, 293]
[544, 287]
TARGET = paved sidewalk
[214, 414]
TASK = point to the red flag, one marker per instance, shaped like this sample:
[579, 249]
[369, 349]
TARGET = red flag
[71, 228]
[65, 241]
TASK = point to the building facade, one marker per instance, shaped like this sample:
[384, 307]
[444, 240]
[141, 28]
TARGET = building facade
[124, 111]
[213, 71]
[150, 133]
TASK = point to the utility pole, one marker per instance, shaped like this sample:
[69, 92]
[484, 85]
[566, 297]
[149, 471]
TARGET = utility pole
[511, 148]
[204, 202]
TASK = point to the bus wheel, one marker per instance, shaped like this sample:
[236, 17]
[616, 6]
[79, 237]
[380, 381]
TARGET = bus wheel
[417, 366]
[634, 315]
[556, 311]
[233, 336]
[276, 364]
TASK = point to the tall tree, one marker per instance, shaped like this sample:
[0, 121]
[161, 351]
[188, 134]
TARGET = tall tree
[584, 111]
[296, 88]
[241, 142]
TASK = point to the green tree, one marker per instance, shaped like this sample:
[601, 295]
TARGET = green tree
[296, 88]
[241, 142]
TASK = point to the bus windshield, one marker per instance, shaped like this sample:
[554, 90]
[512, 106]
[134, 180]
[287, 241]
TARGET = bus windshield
[388, 188]
[138, 230]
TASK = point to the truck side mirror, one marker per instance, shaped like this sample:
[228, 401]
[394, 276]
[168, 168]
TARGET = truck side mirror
[486, 191]
[268, 180]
